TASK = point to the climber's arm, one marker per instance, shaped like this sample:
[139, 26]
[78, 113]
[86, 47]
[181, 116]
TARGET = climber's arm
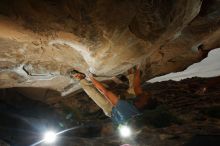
[143, 98]
[108, 94]
[137, 82]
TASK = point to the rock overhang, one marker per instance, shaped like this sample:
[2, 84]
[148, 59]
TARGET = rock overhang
[41, 41]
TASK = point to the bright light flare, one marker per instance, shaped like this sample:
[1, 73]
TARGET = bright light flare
[125, 131]
[50, 137]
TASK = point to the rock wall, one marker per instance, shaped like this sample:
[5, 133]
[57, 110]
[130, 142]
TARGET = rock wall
[40, 41]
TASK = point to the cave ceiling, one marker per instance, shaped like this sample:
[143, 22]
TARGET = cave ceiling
[42, 40]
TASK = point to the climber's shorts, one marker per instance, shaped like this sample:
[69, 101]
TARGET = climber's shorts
[123, 112]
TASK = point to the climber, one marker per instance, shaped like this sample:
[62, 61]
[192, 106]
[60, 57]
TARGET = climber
[120, 111]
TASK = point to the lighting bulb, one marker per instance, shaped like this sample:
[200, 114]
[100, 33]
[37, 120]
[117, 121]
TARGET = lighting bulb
[50, 137]
[125, 131]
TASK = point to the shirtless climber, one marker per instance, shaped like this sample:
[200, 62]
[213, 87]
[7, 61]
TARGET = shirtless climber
[119, 110]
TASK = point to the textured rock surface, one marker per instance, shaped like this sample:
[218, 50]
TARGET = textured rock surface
[41, 40]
